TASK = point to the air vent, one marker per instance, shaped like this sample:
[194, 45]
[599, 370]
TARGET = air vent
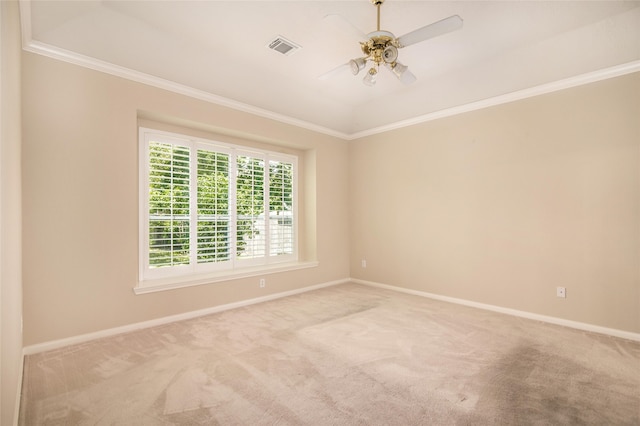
[282, 45]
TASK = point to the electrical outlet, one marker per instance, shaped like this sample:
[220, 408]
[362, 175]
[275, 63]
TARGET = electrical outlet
[364, 263]
[561, 292]
[263, 282]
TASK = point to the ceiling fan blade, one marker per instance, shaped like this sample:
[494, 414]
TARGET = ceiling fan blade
[332, 73]
[443, 26]
[341, 23]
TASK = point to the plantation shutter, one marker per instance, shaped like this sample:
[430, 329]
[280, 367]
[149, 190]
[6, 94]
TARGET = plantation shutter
[169, 221]
[250, 193]
[281, 208]
[210, 206]
[213, 234]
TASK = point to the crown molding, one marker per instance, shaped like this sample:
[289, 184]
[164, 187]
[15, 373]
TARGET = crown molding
[54, 52]
[150, 80]
[542, 89]
[30, 45]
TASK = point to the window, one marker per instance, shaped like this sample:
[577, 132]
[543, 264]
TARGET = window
[208, 206]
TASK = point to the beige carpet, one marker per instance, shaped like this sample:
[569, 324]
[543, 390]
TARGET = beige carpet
[345, 355]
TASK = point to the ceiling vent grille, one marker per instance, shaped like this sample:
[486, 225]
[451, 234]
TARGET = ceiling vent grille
[282, 45]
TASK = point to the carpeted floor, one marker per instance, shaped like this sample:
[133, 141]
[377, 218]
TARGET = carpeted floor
[344, 355]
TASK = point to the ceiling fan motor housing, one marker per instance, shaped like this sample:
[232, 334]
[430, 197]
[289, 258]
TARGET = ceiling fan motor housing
[382, 46]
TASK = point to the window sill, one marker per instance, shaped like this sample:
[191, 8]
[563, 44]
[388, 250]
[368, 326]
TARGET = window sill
[173, 283]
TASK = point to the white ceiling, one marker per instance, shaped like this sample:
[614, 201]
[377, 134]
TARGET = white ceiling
[216, 50]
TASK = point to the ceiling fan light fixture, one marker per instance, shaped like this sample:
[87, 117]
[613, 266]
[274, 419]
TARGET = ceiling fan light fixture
[370, 78]
[381, 47]
[390, 54]
[357, 65]
[398, 69]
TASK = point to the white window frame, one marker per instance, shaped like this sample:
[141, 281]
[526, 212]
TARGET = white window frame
[153, 279]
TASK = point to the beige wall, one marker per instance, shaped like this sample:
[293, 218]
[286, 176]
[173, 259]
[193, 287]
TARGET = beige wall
[81, 201]
[497, 206]
[10, 213]
[501, 205]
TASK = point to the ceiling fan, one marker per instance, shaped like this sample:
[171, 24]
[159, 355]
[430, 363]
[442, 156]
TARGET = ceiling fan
[381, 48]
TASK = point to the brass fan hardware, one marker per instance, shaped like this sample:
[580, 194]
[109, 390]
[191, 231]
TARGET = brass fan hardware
[381, 48]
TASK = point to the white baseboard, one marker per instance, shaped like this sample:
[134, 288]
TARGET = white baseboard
[55, 344]
[523, 314]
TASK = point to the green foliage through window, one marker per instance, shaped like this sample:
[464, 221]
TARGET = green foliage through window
[213, 207]
[168, 205]
[209, 206]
